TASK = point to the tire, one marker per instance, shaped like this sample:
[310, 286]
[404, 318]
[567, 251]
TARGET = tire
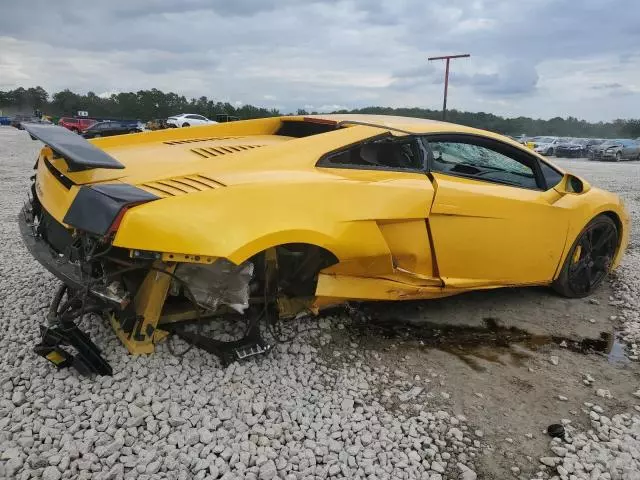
[618, 156]
[550, 152]
[589, 260]
[185, 124]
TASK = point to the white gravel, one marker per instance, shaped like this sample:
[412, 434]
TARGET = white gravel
[289, 415]
[610, 449]
[293, 414]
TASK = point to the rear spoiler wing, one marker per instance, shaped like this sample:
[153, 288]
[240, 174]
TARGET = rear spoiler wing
[77, 151]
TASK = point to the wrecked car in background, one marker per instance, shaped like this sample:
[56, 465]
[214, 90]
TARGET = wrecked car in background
[266, 219]
[616, 150]
[576, 147]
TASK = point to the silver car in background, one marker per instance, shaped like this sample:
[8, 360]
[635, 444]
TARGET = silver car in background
[616, 150]
[546, 145]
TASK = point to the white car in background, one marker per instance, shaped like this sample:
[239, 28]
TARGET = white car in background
[188, 120]
[546, 145]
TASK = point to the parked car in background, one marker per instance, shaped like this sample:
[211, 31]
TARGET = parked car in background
[617, 150]
[546, 145]
[223, 118]
[108, 129]
[17, 120]
[157, 124]
[187, 120]
[563, 145]
[77, 125]
[592, 143]
[575, 148]
[134, 123]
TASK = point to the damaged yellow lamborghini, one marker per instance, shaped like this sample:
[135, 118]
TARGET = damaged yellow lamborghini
[265, 219]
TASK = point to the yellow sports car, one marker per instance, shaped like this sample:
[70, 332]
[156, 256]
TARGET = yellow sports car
[267, 218]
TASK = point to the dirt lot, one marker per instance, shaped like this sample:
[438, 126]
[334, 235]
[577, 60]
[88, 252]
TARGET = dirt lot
[503, 379]
[509, 362]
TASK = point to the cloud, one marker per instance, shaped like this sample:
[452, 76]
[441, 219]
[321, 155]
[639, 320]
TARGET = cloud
[411, 77]
[514, 78]
[607, 86]
[533, 57]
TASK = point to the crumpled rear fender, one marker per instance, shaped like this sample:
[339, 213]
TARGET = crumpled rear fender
[239, 221]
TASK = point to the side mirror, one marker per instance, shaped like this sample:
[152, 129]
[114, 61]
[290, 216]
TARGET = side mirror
[572, 184]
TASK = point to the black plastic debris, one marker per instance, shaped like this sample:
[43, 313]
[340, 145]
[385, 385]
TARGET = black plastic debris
[555, 430]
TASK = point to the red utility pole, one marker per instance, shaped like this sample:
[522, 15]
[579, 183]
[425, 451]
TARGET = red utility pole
[446, 78]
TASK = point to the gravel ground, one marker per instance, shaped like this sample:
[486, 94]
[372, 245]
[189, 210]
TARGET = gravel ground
[335, 402]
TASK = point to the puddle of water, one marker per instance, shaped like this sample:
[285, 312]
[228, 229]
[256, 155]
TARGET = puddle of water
[616, 354]
[490, 342]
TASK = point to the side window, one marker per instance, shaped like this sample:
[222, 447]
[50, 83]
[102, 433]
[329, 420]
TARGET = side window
[385, 154]
[551, 176]
[482, 162]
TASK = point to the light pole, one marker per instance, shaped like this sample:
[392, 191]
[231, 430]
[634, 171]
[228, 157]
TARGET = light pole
[446, 78]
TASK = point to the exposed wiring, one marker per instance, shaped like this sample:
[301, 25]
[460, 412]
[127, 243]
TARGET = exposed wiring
[77, 305]
[60, 314]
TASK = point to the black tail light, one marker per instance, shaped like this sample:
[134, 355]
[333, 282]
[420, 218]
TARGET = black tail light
[99, 209]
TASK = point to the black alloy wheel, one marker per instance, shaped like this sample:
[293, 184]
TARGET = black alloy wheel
[590, 259]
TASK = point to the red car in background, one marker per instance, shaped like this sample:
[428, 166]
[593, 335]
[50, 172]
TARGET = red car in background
[77, 125]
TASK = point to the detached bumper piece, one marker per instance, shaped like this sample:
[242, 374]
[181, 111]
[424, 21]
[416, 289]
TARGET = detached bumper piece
[250, 345]
[87, 359]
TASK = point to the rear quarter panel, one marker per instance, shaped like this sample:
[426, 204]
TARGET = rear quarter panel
[337, 213]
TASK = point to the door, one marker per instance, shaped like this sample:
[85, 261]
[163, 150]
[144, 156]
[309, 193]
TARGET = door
[629, 150]
[110, 129]
[196, 119]
[494, 220]
[389, 197]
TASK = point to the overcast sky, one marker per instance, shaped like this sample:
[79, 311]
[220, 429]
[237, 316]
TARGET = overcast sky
[540, 58]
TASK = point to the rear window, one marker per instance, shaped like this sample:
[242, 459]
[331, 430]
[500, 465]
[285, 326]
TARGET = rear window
[300, 129]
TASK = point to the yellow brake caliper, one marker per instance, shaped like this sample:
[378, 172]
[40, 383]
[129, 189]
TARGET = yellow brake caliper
[576, 255]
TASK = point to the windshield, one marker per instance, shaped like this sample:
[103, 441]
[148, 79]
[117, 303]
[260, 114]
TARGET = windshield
[545, 139]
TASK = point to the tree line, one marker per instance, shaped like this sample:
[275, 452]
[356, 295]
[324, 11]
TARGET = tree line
[147, 104]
